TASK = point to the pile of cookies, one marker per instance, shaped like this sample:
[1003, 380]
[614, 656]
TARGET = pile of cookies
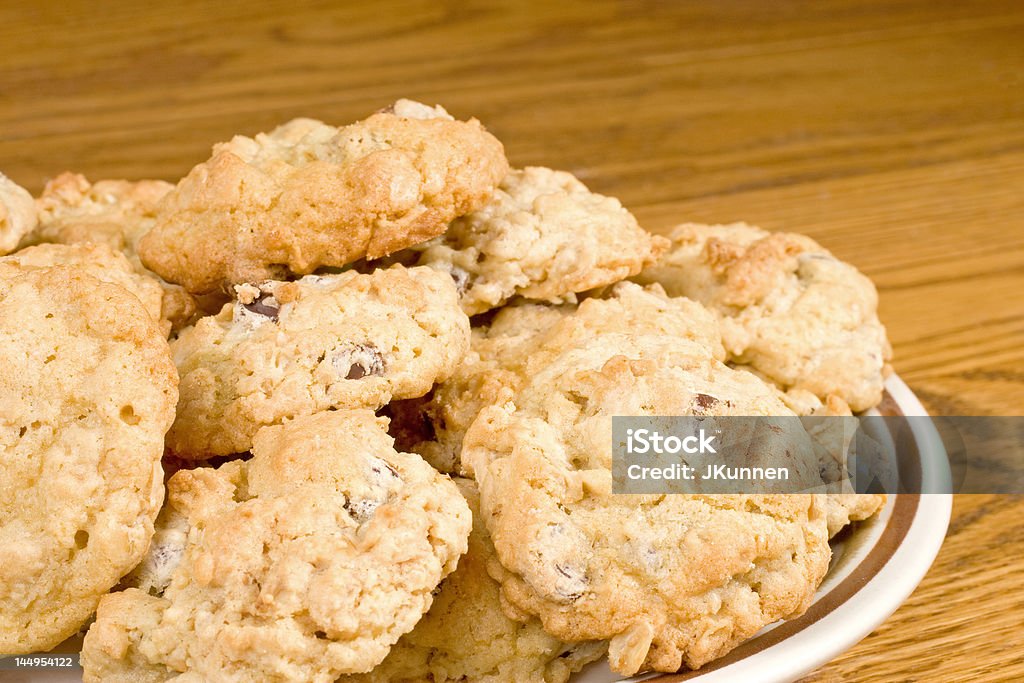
[337, 406]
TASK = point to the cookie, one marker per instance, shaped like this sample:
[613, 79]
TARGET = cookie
[17, 214]
[96, 260]
[833, 435]
[308, 195]
[304, 563]
[166, 549]
[788, 307]
[521, 340]
[846, 508]
[542, 236]
[88, 391]
[112, 212]
[116, 213]
[467, 637]
[285, 349]
[669, 580]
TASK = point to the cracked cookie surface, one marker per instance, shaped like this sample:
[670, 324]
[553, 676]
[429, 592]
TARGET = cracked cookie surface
[668, 579]
[308, 195]
[788, 308]
[88, 391]
[285, 349]
[467, 637]
[304, 563]
[542, 236]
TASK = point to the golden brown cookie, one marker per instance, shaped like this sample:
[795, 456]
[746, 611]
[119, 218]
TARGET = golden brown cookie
[542, 236]
[87, 390]
[467, 637]
[522, 340]
[669, 580]
[304, 563]
[308, 195]
[788, 308]
[285, 349]
[97, 260]
[115, 213]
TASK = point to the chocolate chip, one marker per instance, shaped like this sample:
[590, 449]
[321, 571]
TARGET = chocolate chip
[264, 305]
[358, 361]
[577, 580]
[377, 470]
[360, 510]
[705, 402]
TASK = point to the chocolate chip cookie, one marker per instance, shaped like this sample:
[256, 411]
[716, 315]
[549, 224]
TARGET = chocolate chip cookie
[308, 195]
[788, 308]
[521, 340]
[88, 390]
[669, 580]
[467, 637]
[115, 213]
[542, 236]
[304, 563]
[285, 349]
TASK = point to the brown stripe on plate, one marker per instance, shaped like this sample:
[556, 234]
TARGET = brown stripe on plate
[904, 511]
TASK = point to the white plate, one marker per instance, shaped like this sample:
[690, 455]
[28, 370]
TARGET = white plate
[875, 566]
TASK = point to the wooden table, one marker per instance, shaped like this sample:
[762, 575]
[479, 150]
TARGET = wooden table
[891, 132]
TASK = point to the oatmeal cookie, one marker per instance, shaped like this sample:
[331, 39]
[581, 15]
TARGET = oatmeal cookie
[467, 637]
[788, 308]
[523, 339]
[17, 214]
[846, 508]
[325, 341]
[96, 260]
[669, 580]
[304, 563]
[308, 194]
[116, 213]
[88, 390]
[832, 427]
[542, 236]
[113, 212]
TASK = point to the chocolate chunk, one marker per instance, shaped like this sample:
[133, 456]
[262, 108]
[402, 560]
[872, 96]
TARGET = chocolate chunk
[358, 361]
[705, 402]
[576, 581]
[361, 510]
[377, 470]
[264, 305]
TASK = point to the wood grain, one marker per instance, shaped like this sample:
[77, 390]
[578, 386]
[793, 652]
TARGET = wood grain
[892, 132]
